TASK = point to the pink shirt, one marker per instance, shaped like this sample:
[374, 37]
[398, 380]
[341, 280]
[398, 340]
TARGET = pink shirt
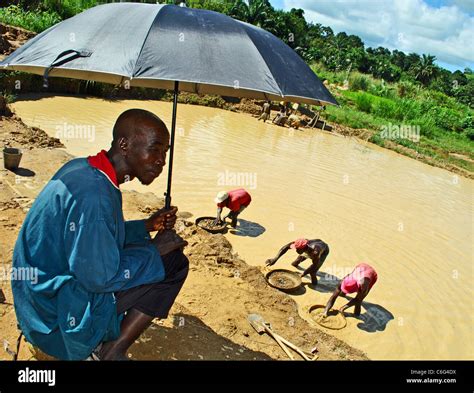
[361, 271]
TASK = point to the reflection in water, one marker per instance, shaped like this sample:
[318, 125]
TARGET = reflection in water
[411, 221]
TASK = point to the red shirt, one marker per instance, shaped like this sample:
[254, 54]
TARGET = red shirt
[103, 164]
[237, 199]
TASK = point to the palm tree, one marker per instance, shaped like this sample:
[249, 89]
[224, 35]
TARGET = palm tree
[255, 12]
[425, 70]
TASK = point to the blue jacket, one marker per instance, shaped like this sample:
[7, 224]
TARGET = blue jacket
[78, 250]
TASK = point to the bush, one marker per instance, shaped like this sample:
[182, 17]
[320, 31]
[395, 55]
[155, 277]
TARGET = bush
[407, 109]
[384, 108]
[469, 132]
[30, 20]
[67, 8]
[468, 122]
[382, 90]
[425, 105]
[407, 89]
[445, 118]
[7, 97]
[377, 140]
[359, 82]
[363, 102]
[465, 94]
[428, 127]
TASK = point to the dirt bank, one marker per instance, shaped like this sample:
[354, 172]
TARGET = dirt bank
[365, 135]
[11, 38]
[209, 319]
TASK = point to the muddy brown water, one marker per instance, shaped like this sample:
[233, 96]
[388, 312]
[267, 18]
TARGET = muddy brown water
[411, 221]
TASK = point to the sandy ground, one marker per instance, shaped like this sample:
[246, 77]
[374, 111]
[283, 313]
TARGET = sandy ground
[209, 319]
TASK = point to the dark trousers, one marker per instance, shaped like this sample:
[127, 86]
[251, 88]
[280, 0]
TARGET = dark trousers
[156, 299]
[313, 269]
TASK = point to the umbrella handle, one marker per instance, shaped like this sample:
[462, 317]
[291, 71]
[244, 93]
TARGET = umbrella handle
[75, 55]
[173, 132]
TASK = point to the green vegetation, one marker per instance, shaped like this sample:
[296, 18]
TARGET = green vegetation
[445, 125]
[30, 20]
[340, 53]
[62, 8]
[7, 97]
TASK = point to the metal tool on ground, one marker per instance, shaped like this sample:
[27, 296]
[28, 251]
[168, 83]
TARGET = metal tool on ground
[258, 323]
[260, 326]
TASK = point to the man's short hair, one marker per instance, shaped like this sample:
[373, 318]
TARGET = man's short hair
[137, 115]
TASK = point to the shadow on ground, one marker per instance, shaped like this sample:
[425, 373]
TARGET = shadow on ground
[248, 228]
[186, 337]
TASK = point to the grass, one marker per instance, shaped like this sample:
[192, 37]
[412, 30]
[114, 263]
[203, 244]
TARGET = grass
[67, 8]
[437, 139]
[37, 21]
[352, 117]
[8, 97]
[446, 126]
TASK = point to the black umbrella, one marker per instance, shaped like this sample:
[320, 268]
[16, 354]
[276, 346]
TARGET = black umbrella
[174, 48]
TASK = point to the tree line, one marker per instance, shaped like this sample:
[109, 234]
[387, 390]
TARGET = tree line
[313, 42]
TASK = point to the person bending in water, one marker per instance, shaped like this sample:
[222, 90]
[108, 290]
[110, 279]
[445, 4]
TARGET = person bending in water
[315, 249]
[236, 201]
[361, 280]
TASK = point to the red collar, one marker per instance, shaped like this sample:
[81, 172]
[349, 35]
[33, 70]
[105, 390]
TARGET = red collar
[102, 163]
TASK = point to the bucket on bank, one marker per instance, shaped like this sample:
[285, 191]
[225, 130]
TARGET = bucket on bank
[11, 158]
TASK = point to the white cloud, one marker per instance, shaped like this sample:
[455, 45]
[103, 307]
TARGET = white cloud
[465, 5]
[408, 25]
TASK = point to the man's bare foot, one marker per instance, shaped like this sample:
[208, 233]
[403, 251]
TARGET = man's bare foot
[107, 352]
[168, 241]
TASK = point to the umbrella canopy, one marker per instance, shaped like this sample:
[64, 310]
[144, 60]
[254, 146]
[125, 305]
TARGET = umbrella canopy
[154, 45]
[170, 47]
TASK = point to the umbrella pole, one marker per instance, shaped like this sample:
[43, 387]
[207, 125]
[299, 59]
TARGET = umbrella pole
[173, 131]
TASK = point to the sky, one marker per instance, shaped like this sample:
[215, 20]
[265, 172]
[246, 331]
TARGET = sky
[443, 28]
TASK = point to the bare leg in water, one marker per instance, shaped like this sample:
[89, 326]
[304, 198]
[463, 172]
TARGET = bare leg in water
[133, 325]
